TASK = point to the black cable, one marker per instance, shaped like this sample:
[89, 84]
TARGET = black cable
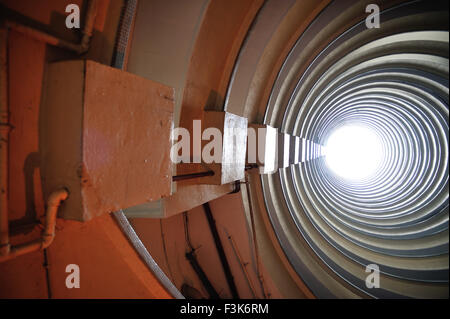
[220, 251]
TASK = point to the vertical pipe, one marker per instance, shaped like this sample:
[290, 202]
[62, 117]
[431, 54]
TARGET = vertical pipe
[202, 276]
[243, 265]
[4, 138]
[254, 239]
[220, 250]
[88, 25]
[53, 203]
[194, 263]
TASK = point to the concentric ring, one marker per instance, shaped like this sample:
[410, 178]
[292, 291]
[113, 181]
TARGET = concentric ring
[395, 81]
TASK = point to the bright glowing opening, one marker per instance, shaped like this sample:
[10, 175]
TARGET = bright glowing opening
[353, 152]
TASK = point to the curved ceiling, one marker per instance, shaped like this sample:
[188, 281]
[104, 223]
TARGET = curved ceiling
[393, 80]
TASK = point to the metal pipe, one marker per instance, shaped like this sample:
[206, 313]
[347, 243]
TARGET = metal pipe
[190, 256]
[236, 188]
[220, 251]
[250, 166]
[79, 48]
[242, 264]
[48, 234]
[4, 138]
[191, 176]
[88, 25]
[201, 275]
[53, 203]
[43, 37]
[254, 239]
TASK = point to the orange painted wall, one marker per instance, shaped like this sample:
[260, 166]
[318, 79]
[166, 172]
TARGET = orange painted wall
[109, 266]
[166, 242]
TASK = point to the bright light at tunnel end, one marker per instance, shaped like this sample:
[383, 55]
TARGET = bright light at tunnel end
[353, 152]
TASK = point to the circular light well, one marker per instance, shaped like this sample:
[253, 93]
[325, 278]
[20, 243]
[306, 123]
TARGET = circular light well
[354, 152]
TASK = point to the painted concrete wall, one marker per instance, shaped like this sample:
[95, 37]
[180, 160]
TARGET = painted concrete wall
[109, 266]
[203, 43]
[166, 241]
[163, 39]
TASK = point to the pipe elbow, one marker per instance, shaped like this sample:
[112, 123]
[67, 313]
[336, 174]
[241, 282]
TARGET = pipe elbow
[57, 197]
[53, 203]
